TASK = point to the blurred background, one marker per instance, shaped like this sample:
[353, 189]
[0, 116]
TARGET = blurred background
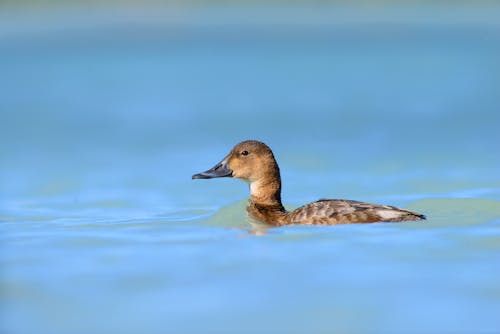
[108, 108]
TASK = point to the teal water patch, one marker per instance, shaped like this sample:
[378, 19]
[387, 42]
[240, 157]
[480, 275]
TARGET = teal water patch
[233, 215]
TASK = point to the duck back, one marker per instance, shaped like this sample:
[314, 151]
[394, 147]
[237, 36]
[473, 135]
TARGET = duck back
[339, 211]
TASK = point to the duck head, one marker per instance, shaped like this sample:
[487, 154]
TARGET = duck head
[253, 162]
[250, 161]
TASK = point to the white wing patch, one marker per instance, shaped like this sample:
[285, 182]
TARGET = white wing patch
[389, 214]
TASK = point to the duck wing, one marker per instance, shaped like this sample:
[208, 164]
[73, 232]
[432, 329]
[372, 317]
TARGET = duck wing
[341, 211]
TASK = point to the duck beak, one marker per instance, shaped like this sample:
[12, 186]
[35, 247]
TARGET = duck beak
[219, 170]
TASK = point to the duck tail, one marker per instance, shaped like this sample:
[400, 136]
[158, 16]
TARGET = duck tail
[394, 214]
[409, 215]
[416, 216]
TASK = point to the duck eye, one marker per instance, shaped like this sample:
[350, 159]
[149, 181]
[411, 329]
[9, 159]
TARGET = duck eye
[244, 153]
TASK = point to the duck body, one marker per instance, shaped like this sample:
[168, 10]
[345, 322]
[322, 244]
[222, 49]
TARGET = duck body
[254, 162]
[332, 212]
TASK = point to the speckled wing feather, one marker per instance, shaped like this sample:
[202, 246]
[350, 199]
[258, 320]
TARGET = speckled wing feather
[339, 211]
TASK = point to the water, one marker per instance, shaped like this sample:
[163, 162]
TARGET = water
[103, 124]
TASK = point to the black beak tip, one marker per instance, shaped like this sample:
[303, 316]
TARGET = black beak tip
[198, 176]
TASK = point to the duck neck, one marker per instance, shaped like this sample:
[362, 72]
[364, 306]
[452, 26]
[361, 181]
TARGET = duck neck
[266, 192]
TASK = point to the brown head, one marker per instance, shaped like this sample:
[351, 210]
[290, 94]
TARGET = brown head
[253, 162]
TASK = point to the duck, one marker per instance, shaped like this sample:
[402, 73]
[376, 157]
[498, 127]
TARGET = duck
[253, 162]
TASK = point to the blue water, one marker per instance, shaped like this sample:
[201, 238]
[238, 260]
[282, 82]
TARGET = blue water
[106, 115]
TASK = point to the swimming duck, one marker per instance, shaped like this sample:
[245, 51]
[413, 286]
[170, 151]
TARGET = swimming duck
[254, 162]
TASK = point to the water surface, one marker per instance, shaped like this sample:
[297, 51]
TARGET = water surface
[103, 124]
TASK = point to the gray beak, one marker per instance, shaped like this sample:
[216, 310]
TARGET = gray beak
[219, 170]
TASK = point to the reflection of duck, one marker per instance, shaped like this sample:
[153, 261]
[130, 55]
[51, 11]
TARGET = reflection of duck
[253, 162]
